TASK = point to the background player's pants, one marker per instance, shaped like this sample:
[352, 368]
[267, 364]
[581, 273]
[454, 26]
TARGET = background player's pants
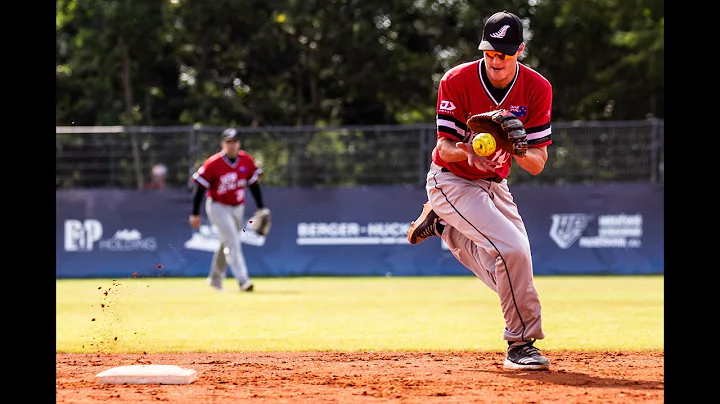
[229, 222]
[485, 233]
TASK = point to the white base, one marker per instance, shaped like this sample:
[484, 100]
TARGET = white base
[147, 374]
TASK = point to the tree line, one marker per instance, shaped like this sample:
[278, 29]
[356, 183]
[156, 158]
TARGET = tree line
[338, 62]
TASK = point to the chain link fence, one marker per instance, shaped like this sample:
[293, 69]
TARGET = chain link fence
[348, 156]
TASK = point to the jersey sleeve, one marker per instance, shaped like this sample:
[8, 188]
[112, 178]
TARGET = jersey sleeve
[537, 126]
[254, 172]
[203, 176]
[451, 116]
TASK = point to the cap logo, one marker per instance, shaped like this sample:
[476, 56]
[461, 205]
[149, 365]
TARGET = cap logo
[500, 33]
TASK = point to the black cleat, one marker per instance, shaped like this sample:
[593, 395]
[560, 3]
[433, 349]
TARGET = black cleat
[247, 286]
[525, 357]
[424, 226]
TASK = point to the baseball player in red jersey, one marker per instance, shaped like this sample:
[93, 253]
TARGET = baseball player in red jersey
[224, 177]
[469, 203]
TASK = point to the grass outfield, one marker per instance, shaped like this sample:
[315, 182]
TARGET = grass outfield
[163, 315]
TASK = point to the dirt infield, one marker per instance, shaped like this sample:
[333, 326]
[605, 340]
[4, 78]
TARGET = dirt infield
[372, 377]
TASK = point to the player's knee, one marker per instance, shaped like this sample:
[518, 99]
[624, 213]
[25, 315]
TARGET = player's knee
[518, 251]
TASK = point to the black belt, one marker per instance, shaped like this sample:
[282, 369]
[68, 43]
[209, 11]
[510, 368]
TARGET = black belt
[493, 179]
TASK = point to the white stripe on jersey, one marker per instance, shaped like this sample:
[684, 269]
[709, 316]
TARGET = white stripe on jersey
[255, 176]
[538, 135]
[202, 181]
[450, 124]
[462, 133]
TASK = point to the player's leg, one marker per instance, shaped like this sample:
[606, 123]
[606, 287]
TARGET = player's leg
[477, 260]
[506, 205]
[497, 250]
[218, 265]
[225, 221]
[469, 207]
[520, 272]
[246, 284]
[484, 231]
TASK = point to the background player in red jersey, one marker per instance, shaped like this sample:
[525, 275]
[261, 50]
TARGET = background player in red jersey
[224, 176]
[469, 203]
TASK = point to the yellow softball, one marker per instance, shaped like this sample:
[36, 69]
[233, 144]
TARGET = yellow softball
[483, 144]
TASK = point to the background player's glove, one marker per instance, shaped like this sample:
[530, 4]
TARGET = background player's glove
[261, 222]
[506, 128]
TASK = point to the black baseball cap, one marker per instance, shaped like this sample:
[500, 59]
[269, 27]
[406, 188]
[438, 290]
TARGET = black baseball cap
[503, 32]
[230, 134]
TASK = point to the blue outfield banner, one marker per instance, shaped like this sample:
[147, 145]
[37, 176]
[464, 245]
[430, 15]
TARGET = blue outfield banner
[573, 229]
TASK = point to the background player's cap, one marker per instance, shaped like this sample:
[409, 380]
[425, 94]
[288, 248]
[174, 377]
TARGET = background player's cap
[503, 32]
[230, 134]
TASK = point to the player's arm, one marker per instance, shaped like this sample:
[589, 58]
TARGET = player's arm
[257, 195]
[448, 151]
[452, 130]
[451, 151]
[451, 125]
[538, 130]
[197, 197]
[534, 160]
[254, 183]
[201, 183]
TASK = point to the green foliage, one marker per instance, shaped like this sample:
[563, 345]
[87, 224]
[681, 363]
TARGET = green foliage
[603, 57]
[338, 62]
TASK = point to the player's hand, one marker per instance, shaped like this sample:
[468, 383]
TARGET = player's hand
[480, 162]
[195, 222]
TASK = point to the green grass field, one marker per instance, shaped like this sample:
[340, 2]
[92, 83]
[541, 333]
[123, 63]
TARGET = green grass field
[161, 315]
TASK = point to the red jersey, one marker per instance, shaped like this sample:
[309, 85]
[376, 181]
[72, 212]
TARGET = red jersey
[464, 91]
[226, 181]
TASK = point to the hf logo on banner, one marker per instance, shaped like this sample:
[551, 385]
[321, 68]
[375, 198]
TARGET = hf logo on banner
[614, 231]
[566, 228]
